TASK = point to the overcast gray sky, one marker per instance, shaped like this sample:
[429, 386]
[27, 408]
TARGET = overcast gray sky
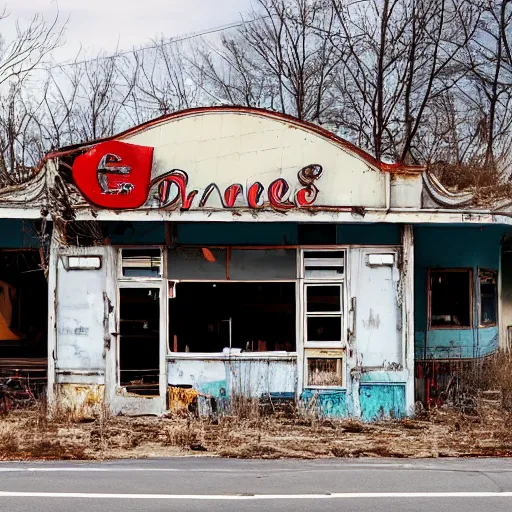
[106, 24]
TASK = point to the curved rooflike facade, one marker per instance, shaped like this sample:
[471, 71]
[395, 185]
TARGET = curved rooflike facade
[231, 159]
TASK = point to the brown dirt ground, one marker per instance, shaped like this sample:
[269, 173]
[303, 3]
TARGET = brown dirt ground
[27, 435]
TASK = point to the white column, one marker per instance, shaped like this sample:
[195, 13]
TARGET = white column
[408, 313]
[52, 320]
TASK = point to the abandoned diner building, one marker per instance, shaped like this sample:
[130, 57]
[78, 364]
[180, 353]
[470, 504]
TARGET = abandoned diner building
[228, 252]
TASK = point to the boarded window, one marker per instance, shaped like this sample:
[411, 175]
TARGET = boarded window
[325, 371]
[450, 298]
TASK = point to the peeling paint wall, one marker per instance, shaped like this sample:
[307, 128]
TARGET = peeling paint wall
[377, 340]
[80, 312]
[326, 403]
[79, 352]
[227, 377]
[380, 401]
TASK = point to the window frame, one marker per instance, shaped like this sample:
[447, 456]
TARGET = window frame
[324, 314]
[163, 263]
[273, 354]
[469, 271]
[495, 273]
[328, 353]
[341, 280]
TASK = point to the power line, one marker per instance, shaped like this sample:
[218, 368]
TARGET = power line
[160, 45]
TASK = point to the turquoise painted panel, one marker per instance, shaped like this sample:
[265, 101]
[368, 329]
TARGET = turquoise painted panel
[328, 403]
[460, 343]
[368, 234]
[216, 389]
[384, 376]
[487, 341]
[380, 401]
[419, 344]
[453, 247]
[18, 234]
[151, 233]
[450, 344]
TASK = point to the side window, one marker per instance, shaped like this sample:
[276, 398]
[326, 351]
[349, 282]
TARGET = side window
[450, 299]
[488, 297]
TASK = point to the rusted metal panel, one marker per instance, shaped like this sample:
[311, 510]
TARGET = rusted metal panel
[79, 400]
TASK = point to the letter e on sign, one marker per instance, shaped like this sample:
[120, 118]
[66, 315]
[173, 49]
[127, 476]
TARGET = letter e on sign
[114, 174]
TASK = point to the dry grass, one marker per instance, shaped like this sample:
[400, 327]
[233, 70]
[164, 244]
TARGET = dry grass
[440, 433]
[253, 431]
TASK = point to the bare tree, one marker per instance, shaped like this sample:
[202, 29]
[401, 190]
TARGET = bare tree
[32, 43]
[282, 59]
[20, 57]
[163, 79]
[489, 86]
[400, 57]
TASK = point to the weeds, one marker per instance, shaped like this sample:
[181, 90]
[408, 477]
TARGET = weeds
[250, 429]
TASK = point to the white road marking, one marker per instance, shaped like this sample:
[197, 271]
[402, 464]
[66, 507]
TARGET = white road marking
[317, 468]
[244, 497]
[78, 469]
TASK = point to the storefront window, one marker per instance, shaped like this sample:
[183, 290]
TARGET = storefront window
[251, 317]
[450, 298]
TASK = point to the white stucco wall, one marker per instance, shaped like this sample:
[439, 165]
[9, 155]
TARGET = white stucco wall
[228, 147]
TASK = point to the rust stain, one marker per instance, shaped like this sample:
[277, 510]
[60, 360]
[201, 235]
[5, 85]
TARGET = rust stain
[181, 398]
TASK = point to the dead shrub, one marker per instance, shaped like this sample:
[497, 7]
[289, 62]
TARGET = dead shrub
[10, 437]
[251, 451]
[245, 408]
[55, 450]
[183, 435]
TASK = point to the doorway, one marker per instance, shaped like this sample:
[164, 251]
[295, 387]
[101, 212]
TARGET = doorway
[139, 340]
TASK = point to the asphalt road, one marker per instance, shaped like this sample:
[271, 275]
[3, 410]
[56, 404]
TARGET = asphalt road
[206, 484]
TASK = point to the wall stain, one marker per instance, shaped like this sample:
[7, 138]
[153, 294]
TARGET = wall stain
[373, 321]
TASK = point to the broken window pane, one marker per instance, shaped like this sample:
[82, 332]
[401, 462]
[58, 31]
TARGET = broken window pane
[488, 298]
[325, 371]
[450, 298]
[141, 262]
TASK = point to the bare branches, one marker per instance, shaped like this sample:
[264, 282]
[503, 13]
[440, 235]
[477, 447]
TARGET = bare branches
[410, 80]
[33, 42]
